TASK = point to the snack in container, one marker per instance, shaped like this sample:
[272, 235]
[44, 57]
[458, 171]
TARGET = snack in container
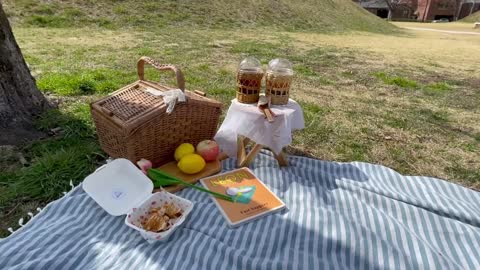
[120, 188]
[138, 217]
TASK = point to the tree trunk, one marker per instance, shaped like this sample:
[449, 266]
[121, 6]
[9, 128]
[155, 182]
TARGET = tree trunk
[20, 100]
[390, 9]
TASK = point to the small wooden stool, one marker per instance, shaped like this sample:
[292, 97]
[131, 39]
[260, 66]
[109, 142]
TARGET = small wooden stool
[244, 159]
[246, 123]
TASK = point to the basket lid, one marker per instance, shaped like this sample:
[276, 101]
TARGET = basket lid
[118, 186]
[131, 102]
[141, 98]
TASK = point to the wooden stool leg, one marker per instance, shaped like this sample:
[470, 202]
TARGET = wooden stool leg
[251, 155]
[222, 156]
[282, 159]
[240, 150]
[246, 140]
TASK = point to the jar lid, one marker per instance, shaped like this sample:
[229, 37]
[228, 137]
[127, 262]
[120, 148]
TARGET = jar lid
[250, 65]
[281, 66]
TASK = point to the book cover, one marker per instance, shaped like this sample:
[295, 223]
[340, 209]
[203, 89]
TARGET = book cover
[252, 198]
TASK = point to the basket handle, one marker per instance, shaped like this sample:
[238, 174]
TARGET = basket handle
[178, 73]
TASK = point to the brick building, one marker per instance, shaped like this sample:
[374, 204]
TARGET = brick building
[421, 10]
[467, 7]
[429, 10]
[403, 9]
[376, 7]
[453, 10]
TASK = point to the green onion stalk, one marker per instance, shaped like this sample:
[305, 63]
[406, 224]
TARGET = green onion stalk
[162, 179]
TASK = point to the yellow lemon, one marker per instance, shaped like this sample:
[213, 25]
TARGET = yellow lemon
[191, 163]
[183, 149]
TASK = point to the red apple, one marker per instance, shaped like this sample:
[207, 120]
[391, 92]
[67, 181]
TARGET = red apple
[208, 149]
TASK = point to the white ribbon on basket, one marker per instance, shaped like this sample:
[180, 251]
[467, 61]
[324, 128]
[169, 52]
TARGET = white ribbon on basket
[170, 97]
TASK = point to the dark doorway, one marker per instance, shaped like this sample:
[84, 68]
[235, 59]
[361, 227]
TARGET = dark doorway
[465, 10]
[382, 13]
[448, 17]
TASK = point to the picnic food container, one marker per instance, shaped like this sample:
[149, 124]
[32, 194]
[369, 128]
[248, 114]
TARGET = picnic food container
[249, 80]
[133, 122]
[278, 80]
[134, 218]
[121, 188]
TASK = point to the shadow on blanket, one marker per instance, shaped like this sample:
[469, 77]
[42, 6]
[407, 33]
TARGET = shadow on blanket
[321, 179]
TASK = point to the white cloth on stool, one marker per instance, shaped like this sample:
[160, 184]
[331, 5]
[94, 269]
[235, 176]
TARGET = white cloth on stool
[247, 120]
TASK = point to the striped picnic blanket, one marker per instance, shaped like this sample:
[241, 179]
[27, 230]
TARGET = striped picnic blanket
[340, 216]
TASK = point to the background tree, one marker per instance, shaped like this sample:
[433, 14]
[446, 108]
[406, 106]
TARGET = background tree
[457, 6]
[395, 6]
[20, 100]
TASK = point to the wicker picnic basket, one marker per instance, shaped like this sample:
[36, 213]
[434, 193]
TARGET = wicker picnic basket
[132, 122]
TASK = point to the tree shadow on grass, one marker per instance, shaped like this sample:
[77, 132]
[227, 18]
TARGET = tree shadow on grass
[292, 150]
[52, 164]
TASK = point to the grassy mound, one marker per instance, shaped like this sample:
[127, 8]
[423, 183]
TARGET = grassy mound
[291, 15]
[475, 17]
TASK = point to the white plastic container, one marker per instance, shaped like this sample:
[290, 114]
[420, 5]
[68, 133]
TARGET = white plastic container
[121, 188]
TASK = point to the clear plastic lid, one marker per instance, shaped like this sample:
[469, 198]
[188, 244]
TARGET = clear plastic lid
[281, 66]
[250, 64]
[118, 186]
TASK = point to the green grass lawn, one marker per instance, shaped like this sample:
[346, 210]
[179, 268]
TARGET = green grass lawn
[407, 100]
[475, 17]
[291, 15]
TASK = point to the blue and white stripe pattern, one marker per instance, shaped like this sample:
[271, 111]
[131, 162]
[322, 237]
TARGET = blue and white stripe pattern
[340, 216]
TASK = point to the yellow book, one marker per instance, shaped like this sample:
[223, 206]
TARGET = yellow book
[252, 198]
